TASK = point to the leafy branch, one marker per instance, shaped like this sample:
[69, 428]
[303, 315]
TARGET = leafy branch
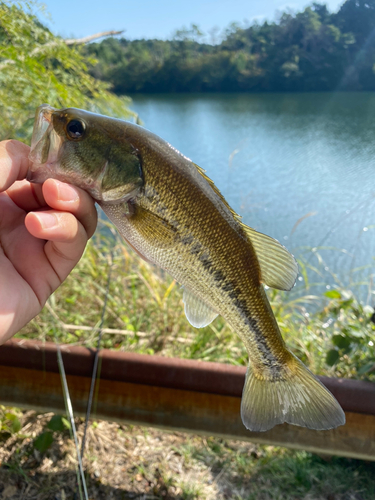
[37, 66]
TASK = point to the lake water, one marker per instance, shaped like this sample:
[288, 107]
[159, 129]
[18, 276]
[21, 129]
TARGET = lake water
[279, 157]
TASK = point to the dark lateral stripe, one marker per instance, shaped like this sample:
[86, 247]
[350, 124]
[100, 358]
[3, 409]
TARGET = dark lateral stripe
[269, 360]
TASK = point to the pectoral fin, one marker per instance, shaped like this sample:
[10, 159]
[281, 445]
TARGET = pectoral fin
[153, 228]
[197, 312]
[278, 267]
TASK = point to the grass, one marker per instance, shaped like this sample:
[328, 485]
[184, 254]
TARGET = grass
[331, 332]
[124, 462]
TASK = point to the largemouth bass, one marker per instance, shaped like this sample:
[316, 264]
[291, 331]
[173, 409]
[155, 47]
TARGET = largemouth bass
[172, 215]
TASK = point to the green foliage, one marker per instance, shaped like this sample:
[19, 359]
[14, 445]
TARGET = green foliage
[44, 440]
[58, 423]
[9, 420]
[37, 67]
[332, 357]
[352, 333]
[271, 473]
[303, 51]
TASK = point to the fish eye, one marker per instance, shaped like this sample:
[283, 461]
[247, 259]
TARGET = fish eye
[75, 129]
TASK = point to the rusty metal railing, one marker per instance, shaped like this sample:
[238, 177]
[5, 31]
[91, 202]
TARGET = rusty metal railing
[172, 393]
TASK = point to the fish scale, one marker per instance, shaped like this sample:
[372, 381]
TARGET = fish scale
[173, 215]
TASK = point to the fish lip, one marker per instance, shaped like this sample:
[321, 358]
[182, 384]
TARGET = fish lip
[38, 176]
[43, 119]
[41, 168]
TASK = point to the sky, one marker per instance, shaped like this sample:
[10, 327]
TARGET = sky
[160, 18]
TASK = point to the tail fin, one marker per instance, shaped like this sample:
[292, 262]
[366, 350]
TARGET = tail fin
[297, 398]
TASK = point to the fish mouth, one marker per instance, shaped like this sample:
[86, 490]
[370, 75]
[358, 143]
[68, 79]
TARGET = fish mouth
[45, 146]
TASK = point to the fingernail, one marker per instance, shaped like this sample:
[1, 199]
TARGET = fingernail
[47, 221]
[66, 192]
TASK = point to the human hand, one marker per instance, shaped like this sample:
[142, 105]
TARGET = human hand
[43, 232]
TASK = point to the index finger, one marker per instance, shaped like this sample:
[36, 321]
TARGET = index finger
[14, 162]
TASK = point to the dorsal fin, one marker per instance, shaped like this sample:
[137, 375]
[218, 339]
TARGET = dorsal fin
[278, 267]
[217, 191]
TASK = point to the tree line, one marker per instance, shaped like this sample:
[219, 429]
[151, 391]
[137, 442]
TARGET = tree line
[311, 50]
